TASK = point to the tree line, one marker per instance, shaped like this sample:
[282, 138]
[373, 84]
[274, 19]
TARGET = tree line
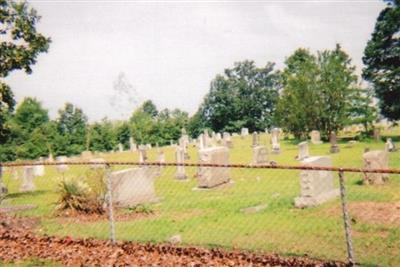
[313, 91]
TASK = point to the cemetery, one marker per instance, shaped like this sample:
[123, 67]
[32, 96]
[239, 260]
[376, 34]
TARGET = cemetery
[250, 209]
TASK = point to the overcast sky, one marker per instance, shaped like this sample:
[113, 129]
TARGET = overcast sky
[169, 52]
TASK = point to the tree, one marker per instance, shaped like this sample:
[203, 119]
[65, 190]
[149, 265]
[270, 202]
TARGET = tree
[20, 46]
[149, 108]
[382, 60]
[72, 126]
[102, 136]
[123, 133]
[245, 96]
[318, 93]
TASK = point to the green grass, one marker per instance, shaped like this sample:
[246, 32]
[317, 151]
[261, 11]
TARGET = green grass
[214, 218]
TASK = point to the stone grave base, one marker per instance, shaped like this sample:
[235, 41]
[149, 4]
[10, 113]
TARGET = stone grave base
[305, 202]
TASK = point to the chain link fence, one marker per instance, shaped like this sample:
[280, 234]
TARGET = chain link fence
[319, 212]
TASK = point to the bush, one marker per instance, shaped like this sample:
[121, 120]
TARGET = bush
[77, 196]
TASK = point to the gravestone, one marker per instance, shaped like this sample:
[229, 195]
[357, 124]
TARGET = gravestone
[377, 134]
[376, 159]
[276, 148]
[38, 170]
[255, 139]
[142, 154]
[260, 155]
[62, 167]
[389, 146]
[303, 151]
[226, 140]
[180, 158]
[209, 177]
[333, 141]
[206, 139]
[97, 163]
[316, 187]
[244, 132]
[50, 158]
[218, 138]
[200, 141]
[315, 137]
[132, 145]
[120, 147]
[133, 186]
[27, 179]
[86, 155]
[148, 146]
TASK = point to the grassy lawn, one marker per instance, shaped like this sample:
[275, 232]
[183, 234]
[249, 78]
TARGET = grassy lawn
[214, 217]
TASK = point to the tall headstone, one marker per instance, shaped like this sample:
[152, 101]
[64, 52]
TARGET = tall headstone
[142, 154]
[206, 139]
[27, 179]
[260, 155]
[209, 177]
[389, 146]
[316, 187]
[255, 139]
[200, 141]
[120, 147]
[303, 151]
[62, 167]
[133, 186]
[315, 137]
[226, 140]
[276, 148]
[132, 145]
[333, 141]
[244, 132]
[376, 159]
[377, 134]
[180, 159]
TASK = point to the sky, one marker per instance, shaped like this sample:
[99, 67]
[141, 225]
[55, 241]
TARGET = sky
[107, 57]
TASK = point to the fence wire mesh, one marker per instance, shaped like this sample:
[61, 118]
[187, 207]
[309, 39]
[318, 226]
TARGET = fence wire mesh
[234, 207]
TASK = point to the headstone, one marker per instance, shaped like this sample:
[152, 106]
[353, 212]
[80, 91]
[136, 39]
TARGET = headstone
[303, 151]
[180, 158]
[62, 167]
[389, 146]
[218, 138]
[333, 141]
[377, 134]
[209, 177]
[50, 158]
[97, 163]
[148, 146]
[244, 132]
[255, 139]
[227, 141]
[27, 179]
[316, 187]
[38, 170]
[200, 141]
[276, 148]
[133, 186]
[120, 147]
[315, 137]
[132, 145]
[142, 154]
[376, 159]
[260, 155]
[86, 155]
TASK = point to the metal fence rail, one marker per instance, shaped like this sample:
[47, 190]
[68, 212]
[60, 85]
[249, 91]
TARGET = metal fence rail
[256, 209]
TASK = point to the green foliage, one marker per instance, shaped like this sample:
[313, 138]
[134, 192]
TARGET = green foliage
[75, 195]
[19, 49]
[123, 134]
[101, 136]
[245, 96]
[142, 209]
[321, 93]
[382, 60]
[72, 127]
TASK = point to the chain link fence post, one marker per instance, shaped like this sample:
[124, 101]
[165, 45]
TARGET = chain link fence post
[346, 220]
[110, 204]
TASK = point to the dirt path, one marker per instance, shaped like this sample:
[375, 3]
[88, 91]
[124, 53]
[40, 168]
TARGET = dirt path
[18, 243]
